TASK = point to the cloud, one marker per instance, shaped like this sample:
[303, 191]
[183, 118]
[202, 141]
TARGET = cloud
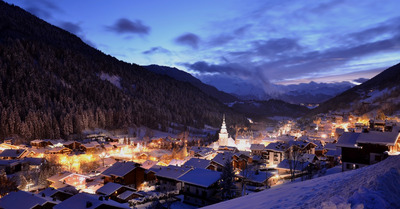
[155, 50]
[188, 39]
[42, 8]
[74, 28]
[124, 26]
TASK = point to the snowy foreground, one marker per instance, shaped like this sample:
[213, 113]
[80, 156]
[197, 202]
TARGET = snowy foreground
[375, 186]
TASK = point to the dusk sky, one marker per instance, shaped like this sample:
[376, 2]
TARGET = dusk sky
[280, 42]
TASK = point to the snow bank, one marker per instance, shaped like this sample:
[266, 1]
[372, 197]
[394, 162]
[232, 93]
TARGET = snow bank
[375, 186]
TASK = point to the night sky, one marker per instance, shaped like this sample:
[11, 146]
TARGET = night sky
[280, 42]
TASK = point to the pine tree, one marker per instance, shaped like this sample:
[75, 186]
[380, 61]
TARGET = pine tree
[227, 181]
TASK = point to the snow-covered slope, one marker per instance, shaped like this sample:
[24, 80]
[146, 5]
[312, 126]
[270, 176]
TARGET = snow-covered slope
[375, 186]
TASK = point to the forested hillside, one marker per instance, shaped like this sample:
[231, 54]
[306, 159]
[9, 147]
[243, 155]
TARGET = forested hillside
[53, 85]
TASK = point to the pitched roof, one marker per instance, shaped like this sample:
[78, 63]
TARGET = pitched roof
[197, 163]
[109, 188]
[381, 138]
[128, 193]
[221, 158]
[170, 172]
[59, 176]
[201, 177]
[284, 164]
[88, 201]
[120, 168]
[254, 177]
[21, 200]
[348, 139]
[15, 153]
[257, 147]
[276, 146]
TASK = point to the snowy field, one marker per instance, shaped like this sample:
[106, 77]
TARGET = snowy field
[375, 186]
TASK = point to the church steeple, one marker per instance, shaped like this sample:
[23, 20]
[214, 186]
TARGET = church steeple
[223, 134]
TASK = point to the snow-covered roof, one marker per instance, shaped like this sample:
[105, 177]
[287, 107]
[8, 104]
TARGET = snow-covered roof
[9, 162]
[348, 139]
[330, 146]
[14, 153]
[276, 146]
[257, 147]
[201, 177]
[284, 164]
[333, 153]
[48, 192]
[89, 201]
[254, 177]
[120, 168]
[373, 137]
[202, 151]
[170, 172]
[221, 158]
[197, 163]
[109, 188]
[21, 200]
[308, 157]
[148, 164]
[92, 144]
[381, 138]
[59, 176]
[127, 193]
[33, 160]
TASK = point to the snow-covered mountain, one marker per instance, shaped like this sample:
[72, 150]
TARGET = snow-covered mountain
[375, 186]
[295, 93]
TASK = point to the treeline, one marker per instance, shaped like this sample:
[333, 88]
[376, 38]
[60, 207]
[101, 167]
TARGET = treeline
[50, 86]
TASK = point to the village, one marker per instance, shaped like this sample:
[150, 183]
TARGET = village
[132, 172]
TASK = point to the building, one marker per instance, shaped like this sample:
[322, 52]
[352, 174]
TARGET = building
[84, 201]
[126, 173]
[22, 199]
[362, 149]
[167, 177]
[12, 154]
[200, 186]
[224, 139]
[218, 162]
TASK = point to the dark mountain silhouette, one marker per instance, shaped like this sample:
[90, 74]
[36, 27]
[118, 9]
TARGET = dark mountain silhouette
[53, 85]
[357, 98]
[186, 77]
[272, 107]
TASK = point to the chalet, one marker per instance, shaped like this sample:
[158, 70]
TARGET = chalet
[10, 166]
[90, 147]
[73, 145]
[299, 167]
[197, 163]
[59, 150]
[200, 186]
[92, 201]
[22, 199]
[167, 177]
[113, 190]
[274, 153]
[11, 154]
[257, 180]
[362, 149]
[57, 194]
[241, 159]
[227, 149]
[126, 173]
[201, 152]
[65, 179]
[38, 143]
[333, 154]
[257, 149]
[218, 162]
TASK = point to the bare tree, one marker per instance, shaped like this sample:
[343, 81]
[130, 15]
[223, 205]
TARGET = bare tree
[293, 160]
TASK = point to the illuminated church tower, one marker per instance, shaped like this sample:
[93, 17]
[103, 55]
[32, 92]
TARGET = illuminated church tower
[223, 134]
